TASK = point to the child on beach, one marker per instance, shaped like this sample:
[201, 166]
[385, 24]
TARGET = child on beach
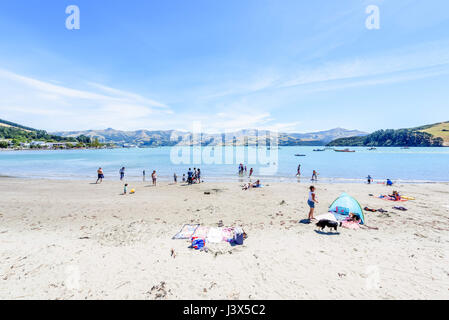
[154, 177]
[314, 176]
[184, 177]
[100, 175]
[311, 202]
[125, 189]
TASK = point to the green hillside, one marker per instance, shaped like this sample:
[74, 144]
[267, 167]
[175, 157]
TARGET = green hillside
[16, 134]
[438, 130]
[435, 135]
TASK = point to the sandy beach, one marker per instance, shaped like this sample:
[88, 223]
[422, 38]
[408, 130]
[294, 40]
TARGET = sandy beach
[78, 240]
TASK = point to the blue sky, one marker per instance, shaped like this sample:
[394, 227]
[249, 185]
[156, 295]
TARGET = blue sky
[287, 65]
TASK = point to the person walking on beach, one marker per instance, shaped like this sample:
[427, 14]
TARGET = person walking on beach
[369, 179]
[311, 202]
[175, 178]
[100, 175]
[154, 177]
[314, 176]
[251, 172]
[122, 173]
[198, 175]
[143, 175]
[189, 176]
[298, 173]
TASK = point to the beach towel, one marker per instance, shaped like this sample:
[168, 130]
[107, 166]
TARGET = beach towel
[350, 225]
[215, 235]
[186, 231]
[387, 198]
[201, 232]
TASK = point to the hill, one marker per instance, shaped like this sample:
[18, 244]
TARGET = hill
[15, 135]
[438, 130]
[147, 138]
[435, 135]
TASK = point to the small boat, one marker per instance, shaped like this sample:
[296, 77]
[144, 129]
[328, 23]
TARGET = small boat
[300, 155]
[372, 148]
[344, 150]
[316, 150]
[405, 148]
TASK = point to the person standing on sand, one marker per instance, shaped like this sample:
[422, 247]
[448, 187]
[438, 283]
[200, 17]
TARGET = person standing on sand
[251, 172]
[298, 173]
[143, 175]
[311, 202]
[122, 173]
[100, 175]
[154, 177]
[175, 178]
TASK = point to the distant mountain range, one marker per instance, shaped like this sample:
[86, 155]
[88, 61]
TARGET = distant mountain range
[147, 138]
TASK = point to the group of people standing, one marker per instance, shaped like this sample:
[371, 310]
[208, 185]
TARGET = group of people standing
[243, 170]
[193, 176]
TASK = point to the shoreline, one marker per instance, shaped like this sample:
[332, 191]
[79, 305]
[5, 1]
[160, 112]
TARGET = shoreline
[228, 179]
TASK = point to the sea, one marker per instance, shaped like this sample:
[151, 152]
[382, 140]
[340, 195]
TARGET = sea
[276, 164]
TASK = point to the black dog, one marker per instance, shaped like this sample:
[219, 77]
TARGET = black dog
[327, 223]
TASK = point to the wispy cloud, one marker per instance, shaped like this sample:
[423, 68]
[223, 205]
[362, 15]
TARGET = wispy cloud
[71, 108]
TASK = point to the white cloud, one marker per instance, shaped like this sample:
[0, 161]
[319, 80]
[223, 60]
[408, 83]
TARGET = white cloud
[57, 107]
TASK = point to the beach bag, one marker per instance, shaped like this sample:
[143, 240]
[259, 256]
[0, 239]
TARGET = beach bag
[238, 236]
[198, 244]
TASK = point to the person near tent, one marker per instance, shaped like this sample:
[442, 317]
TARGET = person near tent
[311, 202]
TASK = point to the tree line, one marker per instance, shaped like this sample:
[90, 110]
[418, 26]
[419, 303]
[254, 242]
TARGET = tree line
[391, 138]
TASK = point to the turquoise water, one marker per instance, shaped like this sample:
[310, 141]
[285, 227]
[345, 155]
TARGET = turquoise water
[408, 165]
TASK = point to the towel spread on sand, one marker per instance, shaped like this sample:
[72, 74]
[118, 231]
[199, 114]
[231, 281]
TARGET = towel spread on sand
[186, 231]
[201, 232]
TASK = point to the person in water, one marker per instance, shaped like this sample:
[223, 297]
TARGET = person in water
[100, 175]
[311, 202]
[314, 176]
[122, 173]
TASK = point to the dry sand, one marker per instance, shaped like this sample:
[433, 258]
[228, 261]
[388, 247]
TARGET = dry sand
[77, 240]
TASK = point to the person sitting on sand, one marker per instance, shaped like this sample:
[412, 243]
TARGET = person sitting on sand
[100, 175]
[396, 196]
[389, 182]
[252, 185]
[311, 202]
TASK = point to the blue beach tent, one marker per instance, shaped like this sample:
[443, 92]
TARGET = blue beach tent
[344, 205]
